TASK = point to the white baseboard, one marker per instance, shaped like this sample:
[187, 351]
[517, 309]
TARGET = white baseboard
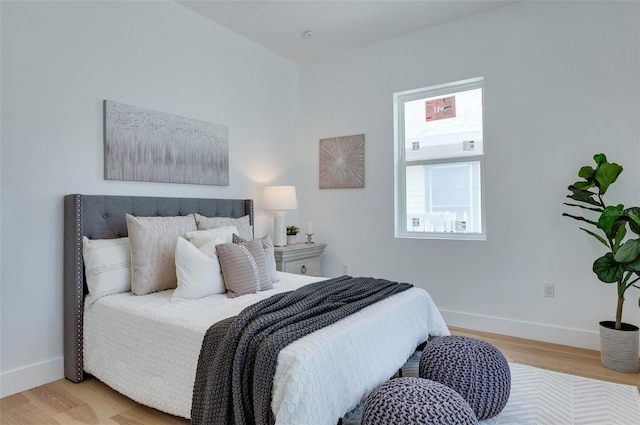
[537, 331]
[24, 378]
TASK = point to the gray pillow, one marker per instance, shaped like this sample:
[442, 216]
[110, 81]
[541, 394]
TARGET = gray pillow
[267, 245]
[153, 251]
[243, 224]
[244, 268]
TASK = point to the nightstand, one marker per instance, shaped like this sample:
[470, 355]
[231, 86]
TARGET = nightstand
[300, 258]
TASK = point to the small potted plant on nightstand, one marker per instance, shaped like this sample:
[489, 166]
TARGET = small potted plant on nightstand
[292, 232]
[620, 265]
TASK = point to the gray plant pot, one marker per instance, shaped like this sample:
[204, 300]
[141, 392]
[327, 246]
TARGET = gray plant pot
[619, 348]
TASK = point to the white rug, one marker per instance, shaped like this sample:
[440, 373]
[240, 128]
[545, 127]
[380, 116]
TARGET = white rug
[543, 397]
[540, 396]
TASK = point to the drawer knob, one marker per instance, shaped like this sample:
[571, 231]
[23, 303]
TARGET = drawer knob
[303, 269]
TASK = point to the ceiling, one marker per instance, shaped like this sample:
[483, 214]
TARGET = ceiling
[339, 25]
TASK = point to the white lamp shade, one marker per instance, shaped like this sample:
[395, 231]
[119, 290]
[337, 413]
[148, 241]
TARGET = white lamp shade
[280, 198]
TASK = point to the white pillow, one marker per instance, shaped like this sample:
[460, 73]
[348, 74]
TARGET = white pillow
[107, 265]
[198, 270]
[245, 229]
[201, 237]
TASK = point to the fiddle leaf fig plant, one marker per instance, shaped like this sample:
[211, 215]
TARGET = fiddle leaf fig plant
[621, 263]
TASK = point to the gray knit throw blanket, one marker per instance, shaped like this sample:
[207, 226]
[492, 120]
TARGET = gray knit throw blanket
[238, 357]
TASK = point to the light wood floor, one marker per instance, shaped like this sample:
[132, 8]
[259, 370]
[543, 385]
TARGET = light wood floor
[92, 402]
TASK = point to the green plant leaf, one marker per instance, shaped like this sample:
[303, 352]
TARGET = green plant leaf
[586, 172]
[598, 237]
[628, 251]
[600, 158]
[622, 231]
[576, 217]
[583, 185]
[583, 196]
[584, 207]
[634, 219]
[607, 269]
[608, 219]
[606, 174]
[633, 266]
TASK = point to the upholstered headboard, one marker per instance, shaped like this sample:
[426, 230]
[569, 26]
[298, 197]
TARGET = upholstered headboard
[103, 217]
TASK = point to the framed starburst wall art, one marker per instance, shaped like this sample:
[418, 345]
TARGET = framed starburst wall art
[342, 162]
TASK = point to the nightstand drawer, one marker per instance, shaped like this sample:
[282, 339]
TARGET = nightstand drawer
[300, 258]
[309, 266]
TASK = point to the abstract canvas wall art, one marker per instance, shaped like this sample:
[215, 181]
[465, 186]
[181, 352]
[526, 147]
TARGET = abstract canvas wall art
[342, 162]
[145, 145]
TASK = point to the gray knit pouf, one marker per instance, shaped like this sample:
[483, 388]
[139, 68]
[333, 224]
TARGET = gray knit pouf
[416, 401]
[475, 369]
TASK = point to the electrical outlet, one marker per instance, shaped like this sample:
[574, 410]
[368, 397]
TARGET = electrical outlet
[345, 269]
[549, 290]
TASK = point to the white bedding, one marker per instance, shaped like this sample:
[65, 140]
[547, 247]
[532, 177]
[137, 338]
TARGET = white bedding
[147, 348]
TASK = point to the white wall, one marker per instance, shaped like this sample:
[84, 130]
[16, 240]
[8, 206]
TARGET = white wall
[59, 61]
[561, 84]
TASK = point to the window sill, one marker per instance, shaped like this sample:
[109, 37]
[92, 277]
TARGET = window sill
[442, 236]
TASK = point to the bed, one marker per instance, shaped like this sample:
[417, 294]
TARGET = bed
[147, 347]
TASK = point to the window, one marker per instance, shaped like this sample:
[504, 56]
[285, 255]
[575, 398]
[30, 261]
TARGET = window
[440, 162]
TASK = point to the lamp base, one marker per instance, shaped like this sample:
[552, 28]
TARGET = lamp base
[279, 228]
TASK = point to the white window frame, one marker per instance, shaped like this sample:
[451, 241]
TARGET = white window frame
[401, 164]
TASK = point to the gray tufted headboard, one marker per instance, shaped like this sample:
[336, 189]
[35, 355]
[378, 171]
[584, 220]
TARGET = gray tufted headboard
[103, 217]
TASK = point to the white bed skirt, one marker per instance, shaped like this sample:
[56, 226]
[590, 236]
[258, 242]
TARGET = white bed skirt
[147, 348]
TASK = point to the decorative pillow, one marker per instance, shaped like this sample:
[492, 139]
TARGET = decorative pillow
[267, 245]
[198, 270]
[153, 251]
[201, 237]
[107, 265]
[244, 268]
[245, 229]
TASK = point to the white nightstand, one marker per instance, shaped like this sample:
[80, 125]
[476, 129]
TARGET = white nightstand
[300, 258]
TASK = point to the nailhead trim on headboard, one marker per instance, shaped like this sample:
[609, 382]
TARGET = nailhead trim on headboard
[79, 290]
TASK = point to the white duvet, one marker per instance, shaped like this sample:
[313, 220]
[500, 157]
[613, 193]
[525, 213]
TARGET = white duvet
[147, 348]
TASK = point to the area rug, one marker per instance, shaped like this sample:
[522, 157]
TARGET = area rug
[543, 397]
[540, 396]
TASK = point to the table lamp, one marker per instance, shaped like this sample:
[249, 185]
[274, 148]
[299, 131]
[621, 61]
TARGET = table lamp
[279, 199]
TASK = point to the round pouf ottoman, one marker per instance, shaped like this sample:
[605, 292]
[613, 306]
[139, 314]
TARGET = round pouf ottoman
[416, 401]
[475, 369]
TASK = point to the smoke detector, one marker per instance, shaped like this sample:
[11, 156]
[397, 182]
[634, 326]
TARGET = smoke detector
[309, 34]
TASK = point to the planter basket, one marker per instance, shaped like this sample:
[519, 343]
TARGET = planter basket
[619, 348]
